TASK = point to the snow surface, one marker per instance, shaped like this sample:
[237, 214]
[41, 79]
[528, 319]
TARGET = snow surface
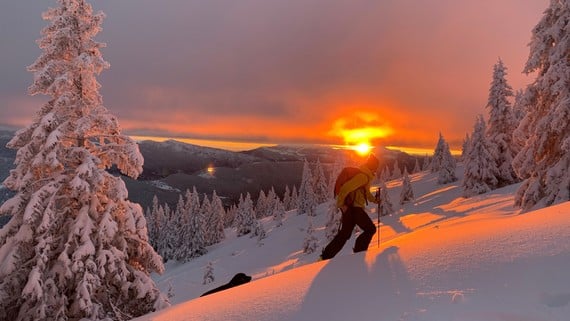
[441, 257]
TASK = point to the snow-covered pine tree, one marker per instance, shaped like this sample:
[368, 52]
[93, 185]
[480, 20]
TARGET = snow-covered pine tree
[153, 224]
[272, 198]
[385, 205]
[519, 107]
[75, 247]
[446, 173]
[168, 234]
[407, 193]
[320, 184]
[310, 244]
[185, 233]
[217, 225]
[161, 240]
[438, 154]
[261, 205]
[333, 223]
[176, 221]
[501, 125]
[544, 161]
[207, 221]
[337, 167]
[294, 197]
[396, 172]
[259, 231]
[208, 273]
[307, 198]
[278, 213]
[417, 167]
[465, 146]
[385, 176]
[196, 241]
[287, 198]
[245, 217]
[230, 216]
[480, 171]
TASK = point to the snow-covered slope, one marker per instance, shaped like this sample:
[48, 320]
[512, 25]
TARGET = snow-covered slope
[441, 258]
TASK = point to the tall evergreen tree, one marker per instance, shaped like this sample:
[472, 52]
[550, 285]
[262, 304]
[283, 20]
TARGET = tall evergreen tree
[407, 193]
[307, 199]
[396, 172]
[245, 216]
[438, 154]
[385, 205]
[544, 161]
[287, 198]
[217, 225]
[311, 242]
[480, 171]
[446, 173]
[279, 213]
[76, 247]
[334, 219]
[501, 125]
[320, 185]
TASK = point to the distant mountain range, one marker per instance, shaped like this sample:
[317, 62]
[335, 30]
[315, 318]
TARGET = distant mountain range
[171, 167]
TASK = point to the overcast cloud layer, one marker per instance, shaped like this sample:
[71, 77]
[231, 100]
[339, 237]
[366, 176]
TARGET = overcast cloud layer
[287, 71]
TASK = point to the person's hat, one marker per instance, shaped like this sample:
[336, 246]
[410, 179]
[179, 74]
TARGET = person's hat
[372, 162]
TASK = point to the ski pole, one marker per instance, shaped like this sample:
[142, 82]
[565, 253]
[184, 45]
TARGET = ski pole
[377, 196]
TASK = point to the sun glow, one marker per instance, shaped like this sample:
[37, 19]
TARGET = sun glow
[362, 148]
[360, 131]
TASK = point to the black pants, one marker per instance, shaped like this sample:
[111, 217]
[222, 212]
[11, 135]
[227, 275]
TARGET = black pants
[353, 216]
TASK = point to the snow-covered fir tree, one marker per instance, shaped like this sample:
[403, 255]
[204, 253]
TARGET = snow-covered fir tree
[217, 222]
[385, 205]
[480, 169]
[519, 107]
[261, 205]
[230, 216]
[153, 223]
[259, 232]
[446, 173]
[272, 198]
[396, 171]
[320, 185]
[465, 146]
[307, 199]
[337, 167]
[278, 213]
[168, 234]
[196, 245]
[209, 273]
[161, 236]
[544, 161]
[417, 167]
[438, 154]
[294, 197]
[185, 233]
[75, 247]
[334, 220]
[287, 198]
[310, 244]
[245, 216]
[407, 193]
[206, 218]
[501, 125]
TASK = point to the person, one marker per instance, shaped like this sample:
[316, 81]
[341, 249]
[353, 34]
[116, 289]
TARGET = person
[358, 189]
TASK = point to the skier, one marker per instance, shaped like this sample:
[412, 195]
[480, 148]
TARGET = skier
[357, 191]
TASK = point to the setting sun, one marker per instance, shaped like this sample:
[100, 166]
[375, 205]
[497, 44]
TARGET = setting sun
[362, 148]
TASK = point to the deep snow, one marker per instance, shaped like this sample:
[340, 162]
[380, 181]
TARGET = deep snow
[442, 257]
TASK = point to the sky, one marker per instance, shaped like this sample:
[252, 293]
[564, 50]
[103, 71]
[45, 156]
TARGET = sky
[440, 257]
[390, 73]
